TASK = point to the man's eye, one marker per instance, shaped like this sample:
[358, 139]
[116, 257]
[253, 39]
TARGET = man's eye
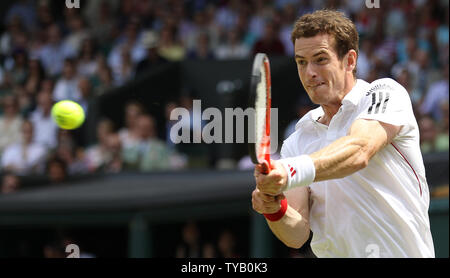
[321, 60]
[301, 62]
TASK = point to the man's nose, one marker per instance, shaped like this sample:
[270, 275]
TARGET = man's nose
[310, 72]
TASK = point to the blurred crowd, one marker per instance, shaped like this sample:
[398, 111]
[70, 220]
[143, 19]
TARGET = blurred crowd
[193, 245]
[225, 243]
[49, 52]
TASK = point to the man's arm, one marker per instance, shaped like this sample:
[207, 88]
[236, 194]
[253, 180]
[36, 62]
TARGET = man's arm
[341, 158]
[352, 153]
[293, 228]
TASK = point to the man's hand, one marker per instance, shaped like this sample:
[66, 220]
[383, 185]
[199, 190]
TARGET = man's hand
[263, 203]
[272, 183]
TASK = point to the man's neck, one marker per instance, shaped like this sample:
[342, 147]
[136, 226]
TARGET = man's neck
[330, 109]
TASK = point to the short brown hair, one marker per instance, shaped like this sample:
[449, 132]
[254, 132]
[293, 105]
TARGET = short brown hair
[329, 22]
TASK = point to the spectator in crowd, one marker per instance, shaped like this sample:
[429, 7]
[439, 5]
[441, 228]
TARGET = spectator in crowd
[269, 43]
[56, 170]
[99, 15]
[430, 136]
[402, 76]
[54, 53]
[149, 152]
[202, 50]
[45, 129]
[13, 28]
[24, 10]
[45, 17]
[77, 32]
[127, 51]
[99, 155]
[190, 246]
[36, 75]
[19, 71]
[129, 134]
[115, 162]
[72, 155]
[25, 157]
[365, 59]
[420, 70]
[24, 100]
[126, 69]
[10, 183]
[259, 16]
[226, 15]
[233, 48]
[73, 158]
[201, 23]
[242, 27]
[436, 95]
[67, 86]
[153, 59]
[227, 245]
[103, 79]
[406, 47]
[288, 19]
[10, 122]
[169, 48]
[87, 59]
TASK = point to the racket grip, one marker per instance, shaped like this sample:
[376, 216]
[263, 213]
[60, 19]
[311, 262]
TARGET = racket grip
[265, 168]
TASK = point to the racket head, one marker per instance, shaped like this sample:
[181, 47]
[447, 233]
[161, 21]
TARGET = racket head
[260, 100]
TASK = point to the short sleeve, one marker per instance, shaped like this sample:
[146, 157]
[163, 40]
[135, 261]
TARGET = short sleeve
[387, 101]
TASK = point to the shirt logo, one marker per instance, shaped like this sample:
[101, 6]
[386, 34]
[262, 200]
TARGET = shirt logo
[383, 98]
[292, 170]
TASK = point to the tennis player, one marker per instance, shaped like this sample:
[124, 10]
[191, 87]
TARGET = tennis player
[352, 172]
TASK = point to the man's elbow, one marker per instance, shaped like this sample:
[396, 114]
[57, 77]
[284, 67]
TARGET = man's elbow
[361, 162]
[362, 155]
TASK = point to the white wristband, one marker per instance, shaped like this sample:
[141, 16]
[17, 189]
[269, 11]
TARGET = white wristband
[300, 171]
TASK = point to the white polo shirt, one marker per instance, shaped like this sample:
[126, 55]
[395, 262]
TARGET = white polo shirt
[381, 210]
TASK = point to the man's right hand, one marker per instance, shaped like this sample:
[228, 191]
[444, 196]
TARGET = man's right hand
[274, 182]
[263, 203]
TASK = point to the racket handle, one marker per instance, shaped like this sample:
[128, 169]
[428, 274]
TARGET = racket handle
[265, 168]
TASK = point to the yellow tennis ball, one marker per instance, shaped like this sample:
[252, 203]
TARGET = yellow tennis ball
[68, 114]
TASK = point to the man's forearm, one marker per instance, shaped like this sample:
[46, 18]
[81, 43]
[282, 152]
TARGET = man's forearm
[293, 229]
[341, 158]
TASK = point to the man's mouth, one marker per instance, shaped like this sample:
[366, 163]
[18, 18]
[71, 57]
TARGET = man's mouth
[313, 86]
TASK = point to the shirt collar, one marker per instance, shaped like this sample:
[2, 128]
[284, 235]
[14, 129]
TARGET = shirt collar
[351, 98]
[355, 93]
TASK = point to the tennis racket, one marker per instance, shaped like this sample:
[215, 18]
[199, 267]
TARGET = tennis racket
[260, 100]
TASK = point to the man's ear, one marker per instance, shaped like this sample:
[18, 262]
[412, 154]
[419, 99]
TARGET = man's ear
[350, 60]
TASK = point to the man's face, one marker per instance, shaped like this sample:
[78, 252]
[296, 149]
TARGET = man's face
[319, 68]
